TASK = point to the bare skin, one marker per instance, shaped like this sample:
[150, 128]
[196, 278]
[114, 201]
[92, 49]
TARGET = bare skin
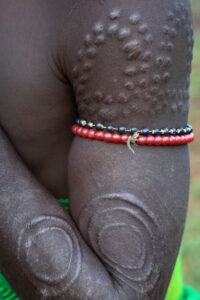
[120, 63]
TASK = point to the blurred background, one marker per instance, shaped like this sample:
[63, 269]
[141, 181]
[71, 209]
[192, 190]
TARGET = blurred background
[191, 239]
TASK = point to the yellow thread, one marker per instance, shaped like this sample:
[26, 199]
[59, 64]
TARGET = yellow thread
[132, 139]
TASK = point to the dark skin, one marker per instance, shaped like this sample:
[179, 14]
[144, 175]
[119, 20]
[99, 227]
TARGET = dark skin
[118, 62]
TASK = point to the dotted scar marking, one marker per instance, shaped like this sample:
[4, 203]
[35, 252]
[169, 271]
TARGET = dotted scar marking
[50, 254]
[177, 20]
[146, 72]
[126, 235]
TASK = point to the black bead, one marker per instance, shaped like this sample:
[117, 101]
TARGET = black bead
[155, 131]
[121, 129]
[133, 130]
[109, 128]
[81, 122]
[173, 131]
[99, 126]
[145, 131]
[189, 126]
[77, 121]
[181, 130]
[89, 125]
[187, 130]
[165, 131]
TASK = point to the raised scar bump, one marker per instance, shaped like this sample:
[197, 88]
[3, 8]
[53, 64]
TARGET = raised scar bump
[148, 38]
[114, 14]
[143, 83]
[87, 66]
[98, 95]
[80, 55]
[75, 72]
[129, 85]
[145, 68]
[112, 29]
[124, 33]
[143, 28]
[134, 19]
[133, 48]
[98, 28]
[122, 98]
[108, 99]
[91, 52]
[100, 39]
[130, 71]
[147, 56]
[88, 40]
[83, 79]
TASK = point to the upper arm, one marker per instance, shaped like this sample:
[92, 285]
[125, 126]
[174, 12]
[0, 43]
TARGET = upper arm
[130, 65]
[130, 61]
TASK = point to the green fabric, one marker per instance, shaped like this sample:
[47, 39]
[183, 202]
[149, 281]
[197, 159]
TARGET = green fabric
[176, 291]
[189, 294]
[176, 284]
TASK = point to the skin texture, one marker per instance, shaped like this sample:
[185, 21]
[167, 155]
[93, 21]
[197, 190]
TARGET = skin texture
[118, 62]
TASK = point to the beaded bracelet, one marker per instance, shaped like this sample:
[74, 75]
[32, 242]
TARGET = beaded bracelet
[144, 136]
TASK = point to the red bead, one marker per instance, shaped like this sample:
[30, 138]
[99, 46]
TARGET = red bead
[107, 137]
[172, 140]
[124, 138]
[99, 135]
[91, 134]
[116, 138]
[165, 140]
[141, 140]
[177, 140]
[79, 131]
[150, 140]
[84, 132]
[74, 128]
[187, 138]
[191, 137]
[183, 139]
[157, 140]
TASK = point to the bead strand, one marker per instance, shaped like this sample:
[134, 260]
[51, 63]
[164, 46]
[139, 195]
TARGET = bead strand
[123, 138]
[144, 131]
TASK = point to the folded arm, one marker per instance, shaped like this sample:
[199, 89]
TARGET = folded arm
[42, 253]
[127, 67]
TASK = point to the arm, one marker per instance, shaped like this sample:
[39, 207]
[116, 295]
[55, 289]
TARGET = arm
[124, 184]
[42, 253]
[130, 70]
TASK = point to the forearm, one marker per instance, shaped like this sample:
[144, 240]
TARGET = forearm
[131, 210]
[41, 251]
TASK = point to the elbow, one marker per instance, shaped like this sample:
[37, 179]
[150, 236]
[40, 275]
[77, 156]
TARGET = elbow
[49, 255]
[132, 240]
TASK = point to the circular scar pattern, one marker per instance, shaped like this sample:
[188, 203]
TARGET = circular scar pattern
[50, 255]
[127, 236]
[147, 69]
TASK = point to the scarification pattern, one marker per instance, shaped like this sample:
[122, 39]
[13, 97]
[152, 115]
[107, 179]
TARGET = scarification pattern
[146, 72]
[51, 271]
[177, 20]
[127, 236]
